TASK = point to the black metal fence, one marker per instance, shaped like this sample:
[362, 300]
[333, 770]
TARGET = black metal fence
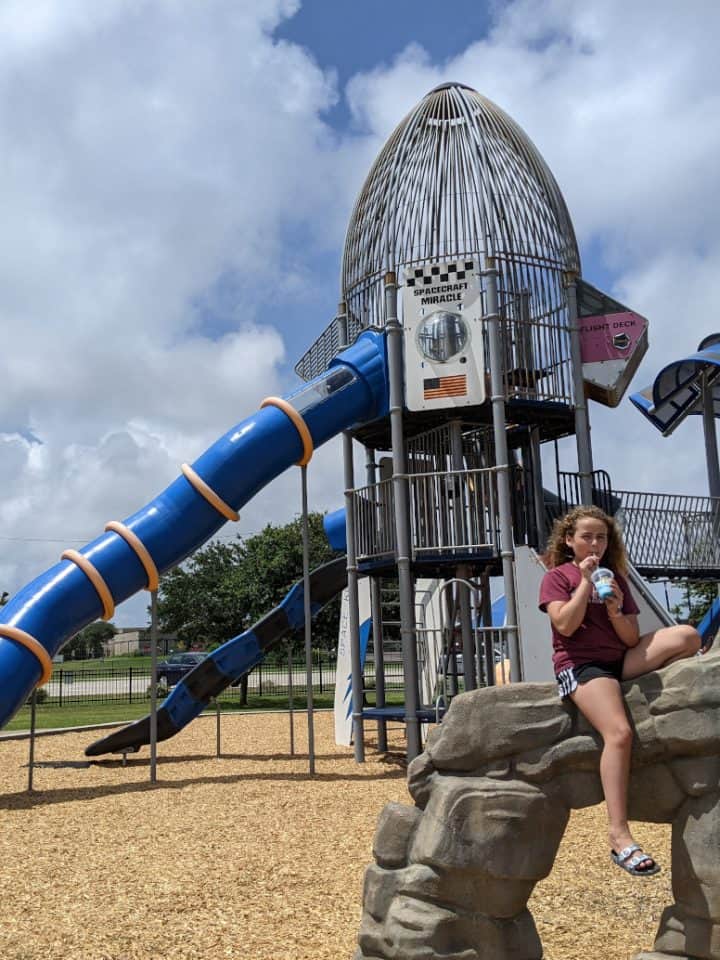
[76, 685]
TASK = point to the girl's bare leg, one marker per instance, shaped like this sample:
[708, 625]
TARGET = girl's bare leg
[601, 703]
[660, 648]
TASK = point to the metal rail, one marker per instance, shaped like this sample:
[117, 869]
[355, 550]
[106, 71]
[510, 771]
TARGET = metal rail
[329, 344]
[452, 513]
[535, 350]
[669, 534]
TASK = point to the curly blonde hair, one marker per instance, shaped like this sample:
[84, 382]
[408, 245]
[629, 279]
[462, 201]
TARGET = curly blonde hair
[558, 551]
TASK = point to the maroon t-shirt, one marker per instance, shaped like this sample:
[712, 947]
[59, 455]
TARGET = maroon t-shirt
[595, 638]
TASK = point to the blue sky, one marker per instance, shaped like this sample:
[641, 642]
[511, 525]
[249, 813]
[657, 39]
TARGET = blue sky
[349, 38]
[176, 184]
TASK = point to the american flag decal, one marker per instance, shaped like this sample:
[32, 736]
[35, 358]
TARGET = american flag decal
[438, 387]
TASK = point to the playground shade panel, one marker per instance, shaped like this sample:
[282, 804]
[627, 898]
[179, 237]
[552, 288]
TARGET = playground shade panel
[676, 391]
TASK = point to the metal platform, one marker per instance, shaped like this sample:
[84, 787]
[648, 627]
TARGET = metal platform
[424, 714]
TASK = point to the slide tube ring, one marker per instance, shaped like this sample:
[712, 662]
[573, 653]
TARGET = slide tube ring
[143, 555]
[95, 578]
[208, 493]
[302, 428]
[34, 646]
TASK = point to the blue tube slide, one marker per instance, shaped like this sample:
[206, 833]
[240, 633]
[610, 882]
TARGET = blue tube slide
[710, 623]
[229, 663]
[53, 607]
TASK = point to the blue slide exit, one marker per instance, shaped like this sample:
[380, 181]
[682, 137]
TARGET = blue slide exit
[64, 599]
[229, 662]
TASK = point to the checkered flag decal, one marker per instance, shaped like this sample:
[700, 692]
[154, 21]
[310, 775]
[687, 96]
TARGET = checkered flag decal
[428, 275]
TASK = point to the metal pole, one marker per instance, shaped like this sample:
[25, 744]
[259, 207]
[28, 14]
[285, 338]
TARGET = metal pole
[376, 612]
[402, 518]
[291, 704]
[711, 444]
[153, 686]
[31, 755]
[448, 610]
[217, 729]
[462, 571]
[358, 732]
[488, 635]
[537, 484]
[582, 416]
[308, 622]
[497, 399]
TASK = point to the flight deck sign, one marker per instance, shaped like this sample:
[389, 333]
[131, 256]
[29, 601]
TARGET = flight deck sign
[612, 346]
[442, 325]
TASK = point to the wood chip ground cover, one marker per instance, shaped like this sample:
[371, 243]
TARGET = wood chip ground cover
[247, 856]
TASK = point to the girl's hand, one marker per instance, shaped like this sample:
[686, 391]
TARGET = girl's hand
[614, 603]
[588, 566]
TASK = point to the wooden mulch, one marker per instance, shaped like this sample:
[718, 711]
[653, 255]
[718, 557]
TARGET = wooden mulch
[247, 856]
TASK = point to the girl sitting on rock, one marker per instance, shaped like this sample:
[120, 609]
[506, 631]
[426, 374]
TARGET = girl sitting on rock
[596, 645]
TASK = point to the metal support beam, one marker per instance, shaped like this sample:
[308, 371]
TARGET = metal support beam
[462, 572]
[308, 622]
[402, 518]
[538, 489]
[582, 417]
[358, 733]
[497, 399]
[153, 684]
[376, 612]
[711, 444]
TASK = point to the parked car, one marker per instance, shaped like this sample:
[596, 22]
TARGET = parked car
[446, 665]
[172, 670]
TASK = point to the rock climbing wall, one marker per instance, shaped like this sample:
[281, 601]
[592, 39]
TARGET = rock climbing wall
[493, 793]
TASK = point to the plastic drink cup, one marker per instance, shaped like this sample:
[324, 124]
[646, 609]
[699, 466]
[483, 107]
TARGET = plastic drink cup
[602, 579]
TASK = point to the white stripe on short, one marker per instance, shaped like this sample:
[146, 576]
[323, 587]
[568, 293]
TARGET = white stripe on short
[566, 682]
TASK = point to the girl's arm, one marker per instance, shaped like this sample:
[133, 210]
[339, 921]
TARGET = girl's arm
[625, 625]
[567, 616]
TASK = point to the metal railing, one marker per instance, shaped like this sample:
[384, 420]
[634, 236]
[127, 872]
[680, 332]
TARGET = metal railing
[317, 357]
[450, 513]
[374, 513]
[453, 512]
[570, 494]
[666, 534]
[535, 351]
[671, 534]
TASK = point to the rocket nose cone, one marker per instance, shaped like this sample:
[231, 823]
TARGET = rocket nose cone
[450, 84]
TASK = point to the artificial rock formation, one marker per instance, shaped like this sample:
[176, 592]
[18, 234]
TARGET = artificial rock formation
[493, 792]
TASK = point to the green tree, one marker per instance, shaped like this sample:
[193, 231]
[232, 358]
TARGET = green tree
[226, 587]
[699, 596]
[88, 643]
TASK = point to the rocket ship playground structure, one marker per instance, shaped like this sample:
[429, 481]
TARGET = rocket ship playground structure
[466, 340]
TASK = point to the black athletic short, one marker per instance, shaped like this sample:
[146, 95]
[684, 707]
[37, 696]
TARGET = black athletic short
[568, 679]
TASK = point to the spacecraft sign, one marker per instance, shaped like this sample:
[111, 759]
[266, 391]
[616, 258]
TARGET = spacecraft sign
[612, 347]
[442, 325]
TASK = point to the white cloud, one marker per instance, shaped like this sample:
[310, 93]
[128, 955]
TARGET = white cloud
[154, 154]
